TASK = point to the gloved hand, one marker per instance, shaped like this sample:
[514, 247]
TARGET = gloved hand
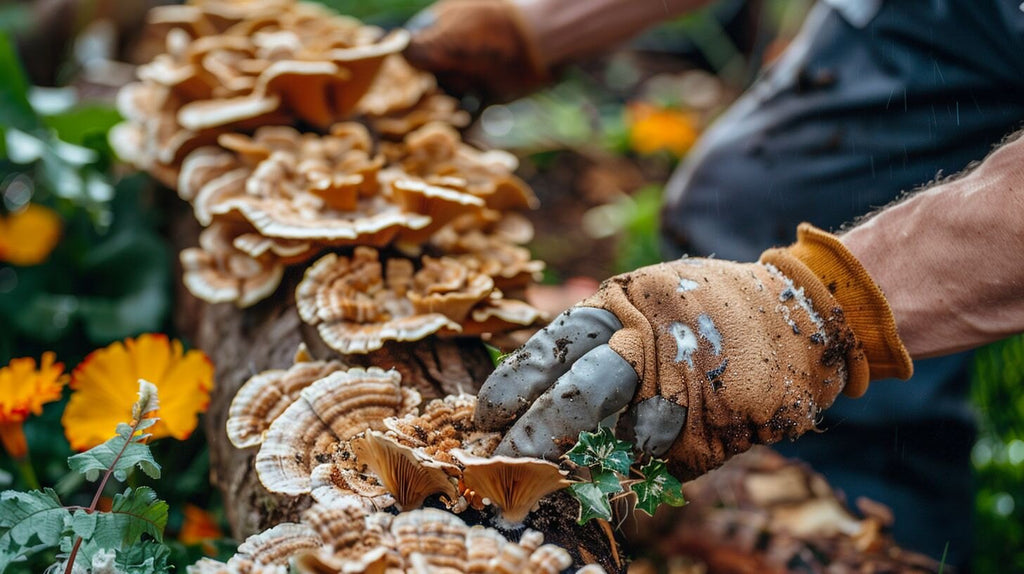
[709, 356]
[477, 45]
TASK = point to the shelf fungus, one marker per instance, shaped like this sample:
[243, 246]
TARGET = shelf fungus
[443, 425]
[229, 68]
[266, 395]
[218, 272]
[315, 430]
[436, 150]
[268, 552]
[431, 540]
[359, 302]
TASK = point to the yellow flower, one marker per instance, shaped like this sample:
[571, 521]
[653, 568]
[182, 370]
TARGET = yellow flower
[652, 129]
[28, 236]
[105, 385]
[23, 391]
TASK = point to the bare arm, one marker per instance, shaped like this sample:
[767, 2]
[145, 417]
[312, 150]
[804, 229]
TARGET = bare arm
[951, 258]
[569, 29]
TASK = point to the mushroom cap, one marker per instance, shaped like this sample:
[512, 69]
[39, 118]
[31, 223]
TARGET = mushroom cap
[352, 401]
[266, 395]
[343, 480]
[288, 251]
[515, 485]
[296, 442]
[397, 87]
[315, 428]
[443, 426]
[217, 272]
[448, 287]
[408, 475]
[278, 544]
[199, 167]
[375, 221]
[356, 308]
[500, 315]
[433, 108]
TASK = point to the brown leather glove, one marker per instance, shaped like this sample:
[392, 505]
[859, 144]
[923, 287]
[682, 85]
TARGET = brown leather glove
[710, 356]
[477, 45]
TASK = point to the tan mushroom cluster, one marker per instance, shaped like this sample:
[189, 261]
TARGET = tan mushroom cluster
[355, 434]
[232, 65]
[343, 537]
[293, 131]
[359, 302]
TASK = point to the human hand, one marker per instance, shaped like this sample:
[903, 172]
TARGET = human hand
[477, 45]
[709, 356]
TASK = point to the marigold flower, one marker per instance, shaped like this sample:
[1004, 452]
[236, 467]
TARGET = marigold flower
[652, 129]
[29, 235]
[199, 527]
[105, 385]
[23, 391]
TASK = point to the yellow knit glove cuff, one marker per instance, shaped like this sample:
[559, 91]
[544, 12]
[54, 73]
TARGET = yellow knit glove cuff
[863, 303]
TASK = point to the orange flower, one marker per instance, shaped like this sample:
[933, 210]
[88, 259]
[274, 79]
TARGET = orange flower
[105, 385]
[28, 236]
[652, 129]
[199, 527]
[23, 391]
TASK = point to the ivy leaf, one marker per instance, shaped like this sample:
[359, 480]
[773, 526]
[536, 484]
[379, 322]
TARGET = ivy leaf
[132, 514]
[606, 481]
[593, 502]
[104, 456]
[145, 558]
[658, 487]
[27, 517]
[602, 449]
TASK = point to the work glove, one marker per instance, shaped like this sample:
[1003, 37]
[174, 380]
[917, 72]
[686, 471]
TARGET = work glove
[708, 356]
[482, 46]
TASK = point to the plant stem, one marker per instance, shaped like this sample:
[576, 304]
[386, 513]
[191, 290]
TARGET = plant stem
[99, 492]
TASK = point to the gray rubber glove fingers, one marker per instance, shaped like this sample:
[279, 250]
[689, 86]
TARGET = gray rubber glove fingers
[530, 370]
[652, 425]
[598, 384]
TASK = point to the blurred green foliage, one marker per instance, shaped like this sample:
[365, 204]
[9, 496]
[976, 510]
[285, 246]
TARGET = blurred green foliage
[108, 278]
[998, 393]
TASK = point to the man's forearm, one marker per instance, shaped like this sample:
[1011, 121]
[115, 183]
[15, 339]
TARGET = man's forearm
[569, 29]
[951, 258]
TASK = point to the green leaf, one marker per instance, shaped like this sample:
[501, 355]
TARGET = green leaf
[146, 558]
[132, 514]
[496, 355]
[606, 480]
[100, 458]
[602, 449]
[593, 502]
[15, 110]
[77, 124]
[658, 487]
[83, 523]
[27, 520]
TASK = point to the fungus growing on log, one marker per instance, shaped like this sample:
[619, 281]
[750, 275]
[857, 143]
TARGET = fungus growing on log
[315, 429]
[229, 68]
[431, 540]
[514, 485]
[409, 476]
[266, 395]
[217, 271]
[357, 303]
